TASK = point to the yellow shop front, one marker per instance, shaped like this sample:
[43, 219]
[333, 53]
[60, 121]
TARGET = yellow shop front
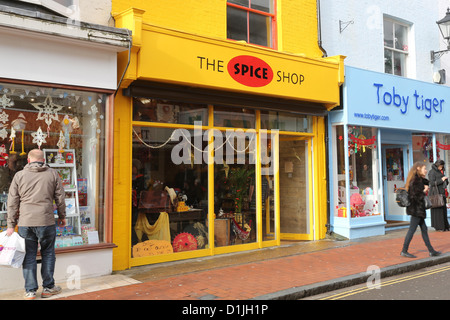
[219, 146]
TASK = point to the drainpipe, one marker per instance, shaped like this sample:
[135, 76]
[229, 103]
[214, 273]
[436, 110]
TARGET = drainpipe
[319, 31]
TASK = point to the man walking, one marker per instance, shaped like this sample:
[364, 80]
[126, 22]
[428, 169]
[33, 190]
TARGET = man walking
[30, 206]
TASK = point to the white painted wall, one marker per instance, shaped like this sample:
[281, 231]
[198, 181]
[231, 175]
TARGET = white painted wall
[362, 41]
[34, 57]
[83, 264]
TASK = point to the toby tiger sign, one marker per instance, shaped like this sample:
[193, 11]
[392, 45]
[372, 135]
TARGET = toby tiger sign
[250, 71]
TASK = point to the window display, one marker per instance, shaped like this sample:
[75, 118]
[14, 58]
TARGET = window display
[423, 148]
[169, 195]
[69, 126]
[362, 172]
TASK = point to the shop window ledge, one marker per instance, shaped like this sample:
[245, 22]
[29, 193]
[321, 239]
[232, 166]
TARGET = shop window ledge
[86, 247]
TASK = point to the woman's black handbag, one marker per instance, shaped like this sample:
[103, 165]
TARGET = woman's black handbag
[436, 199]
[428, 202]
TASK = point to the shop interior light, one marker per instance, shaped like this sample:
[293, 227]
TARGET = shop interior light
[444, 27]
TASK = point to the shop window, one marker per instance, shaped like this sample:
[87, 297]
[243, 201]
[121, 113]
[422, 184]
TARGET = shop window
[157, 110]
[169, 191]
[234, 117]
[235, 188]
[423, 148]
[294, 187]
[285, 121]
[252, 21]
[443, 151]
[69, 126]
[339, 168]
[396, 47]
[362, 173]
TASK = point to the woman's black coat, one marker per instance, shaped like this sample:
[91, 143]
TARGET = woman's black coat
[435, 175]
[416, 196]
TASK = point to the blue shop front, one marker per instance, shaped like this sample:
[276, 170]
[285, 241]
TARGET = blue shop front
[385, 124]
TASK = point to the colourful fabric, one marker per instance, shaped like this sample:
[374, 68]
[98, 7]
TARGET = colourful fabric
[159, 231]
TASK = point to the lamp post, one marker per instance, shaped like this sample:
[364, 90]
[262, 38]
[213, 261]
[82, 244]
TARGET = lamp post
[444, 27]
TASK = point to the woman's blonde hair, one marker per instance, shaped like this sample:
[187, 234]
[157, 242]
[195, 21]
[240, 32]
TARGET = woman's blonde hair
[412, 173]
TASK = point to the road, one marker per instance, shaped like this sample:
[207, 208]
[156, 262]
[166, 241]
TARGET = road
[426, 284]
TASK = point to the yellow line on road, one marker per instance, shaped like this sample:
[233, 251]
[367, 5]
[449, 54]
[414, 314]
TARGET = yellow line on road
[385, 283]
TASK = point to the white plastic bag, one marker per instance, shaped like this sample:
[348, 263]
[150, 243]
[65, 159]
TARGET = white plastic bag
[13, 250]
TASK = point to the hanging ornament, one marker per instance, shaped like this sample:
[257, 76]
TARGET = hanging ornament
[3, 132]
[39, 137]
[61, 142]
[20, 124]
[12, 136]
[4, 117]
[68, 126]
[48, 111]
[6, 102]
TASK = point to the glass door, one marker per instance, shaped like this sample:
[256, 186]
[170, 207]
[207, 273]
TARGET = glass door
[395, 170]
[295, 171]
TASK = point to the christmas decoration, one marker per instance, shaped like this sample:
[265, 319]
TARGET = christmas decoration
[48, 111]
[39, 137]
[4, 117]
[3, 132]
[442, 146]
[12, 136]
[3, 156]
[61, 142]
[19, 124]
[69, 125]
[6, 102]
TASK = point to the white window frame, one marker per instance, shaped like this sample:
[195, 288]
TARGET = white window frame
[393, 49]
[68, 11]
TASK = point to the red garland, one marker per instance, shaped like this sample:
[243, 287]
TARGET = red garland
[363, 142]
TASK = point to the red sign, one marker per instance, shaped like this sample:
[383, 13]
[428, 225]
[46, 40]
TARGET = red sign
[442, 146]
[250, 71]
[363, 142]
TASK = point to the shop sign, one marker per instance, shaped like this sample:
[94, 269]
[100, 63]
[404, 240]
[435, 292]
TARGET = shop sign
[251, 71]
[225, 65]
[428, 105]
[383, 100]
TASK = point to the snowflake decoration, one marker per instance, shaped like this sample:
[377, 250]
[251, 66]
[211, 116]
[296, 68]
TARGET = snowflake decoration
[3, 133]
[4, 117]
[39, 137]
[6, 102]
[48, 111]
[94, 123]
[93, 142]
[94, 110]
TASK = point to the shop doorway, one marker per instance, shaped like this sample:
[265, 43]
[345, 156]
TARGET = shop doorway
[395, 170]
[295, 173]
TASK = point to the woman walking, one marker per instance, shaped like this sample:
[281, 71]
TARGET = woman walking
[417, 187]
[436, 176]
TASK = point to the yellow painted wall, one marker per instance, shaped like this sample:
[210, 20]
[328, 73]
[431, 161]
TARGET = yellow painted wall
[296, 20]
[204, 17]
[298, 27]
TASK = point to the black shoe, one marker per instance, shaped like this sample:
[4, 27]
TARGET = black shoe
[407, 255]
[435, 253]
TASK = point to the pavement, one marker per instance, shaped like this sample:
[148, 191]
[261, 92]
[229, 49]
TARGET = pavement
[292, 271]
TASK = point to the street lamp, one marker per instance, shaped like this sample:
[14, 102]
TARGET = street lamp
[444, 26]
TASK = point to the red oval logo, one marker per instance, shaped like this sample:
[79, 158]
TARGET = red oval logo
[250, 71]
